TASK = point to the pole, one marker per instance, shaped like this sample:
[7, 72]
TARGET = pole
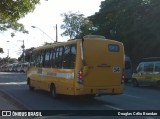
[8, 56]
[8, 53]
[23, 52]
[56, 34]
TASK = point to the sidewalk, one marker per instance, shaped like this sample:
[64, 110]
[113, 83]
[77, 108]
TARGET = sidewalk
[6, 103]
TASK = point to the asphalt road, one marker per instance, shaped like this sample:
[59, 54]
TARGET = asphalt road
[133, 98]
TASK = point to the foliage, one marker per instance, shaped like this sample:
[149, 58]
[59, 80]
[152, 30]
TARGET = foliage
[72, 24]
[12, 11]
[133, 22]
[28, 54]
[7, 60]
[86, 28]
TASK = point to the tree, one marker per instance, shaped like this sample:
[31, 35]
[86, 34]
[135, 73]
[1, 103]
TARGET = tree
[72, 24]
[12, 11]
[133, 22]
[28, 55]
[86, 28]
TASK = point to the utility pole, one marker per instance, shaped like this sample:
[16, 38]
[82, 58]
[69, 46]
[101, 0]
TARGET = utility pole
[23, 51]
[56, 34]
[8, 53]
[23, 46]
[8, 56]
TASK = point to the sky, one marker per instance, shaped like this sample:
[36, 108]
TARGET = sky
[45, 17]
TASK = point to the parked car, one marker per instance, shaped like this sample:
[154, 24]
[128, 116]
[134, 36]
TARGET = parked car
[15, 65]
[2, 68]
[25, 67]
[20, 67]
[10, 67]
[147, 72]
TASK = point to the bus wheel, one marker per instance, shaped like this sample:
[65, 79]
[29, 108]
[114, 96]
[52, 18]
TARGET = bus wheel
[53, 91]
[29, 84]
[135, 83]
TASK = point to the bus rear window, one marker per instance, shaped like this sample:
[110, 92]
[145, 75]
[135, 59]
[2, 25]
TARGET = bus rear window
[113, 48]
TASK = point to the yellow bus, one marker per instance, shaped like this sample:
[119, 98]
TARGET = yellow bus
[89, 66]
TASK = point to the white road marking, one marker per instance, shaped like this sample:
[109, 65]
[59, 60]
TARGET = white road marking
[131, 96]
[14, 83]
[116, 108]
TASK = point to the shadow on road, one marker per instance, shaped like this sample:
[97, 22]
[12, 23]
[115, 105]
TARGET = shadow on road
[79, 101]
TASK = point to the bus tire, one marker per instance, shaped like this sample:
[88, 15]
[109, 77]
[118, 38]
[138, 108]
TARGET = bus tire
[135, 83]
[53, 91]
[29, 84]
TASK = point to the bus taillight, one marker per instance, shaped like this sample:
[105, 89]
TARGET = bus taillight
[123, 77]
[80, 77]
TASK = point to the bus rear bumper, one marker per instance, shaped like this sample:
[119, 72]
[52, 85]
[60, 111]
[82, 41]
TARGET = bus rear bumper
[100, 91]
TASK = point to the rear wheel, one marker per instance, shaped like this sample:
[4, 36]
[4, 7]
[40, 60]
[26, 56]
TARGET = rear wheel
[53, 91]
[135, 83]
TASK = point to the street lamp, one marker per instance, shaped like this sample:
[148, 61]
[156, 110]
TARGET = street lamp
[43, 32]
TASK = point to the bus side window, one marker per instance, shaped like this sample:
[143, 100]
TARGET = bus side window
[34, 59]
[47, 58]
[53, 57]
[41, 59]
[38, 59]
[58, 57]
[69, 57]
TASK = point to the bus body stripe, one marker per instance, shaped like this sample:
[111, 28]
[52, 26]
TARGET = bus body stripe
[53, 74]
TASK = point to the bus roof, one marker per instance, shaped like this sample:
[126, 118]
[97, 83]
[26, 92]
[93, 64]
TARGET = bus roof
[55, 45]
[87, 37]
